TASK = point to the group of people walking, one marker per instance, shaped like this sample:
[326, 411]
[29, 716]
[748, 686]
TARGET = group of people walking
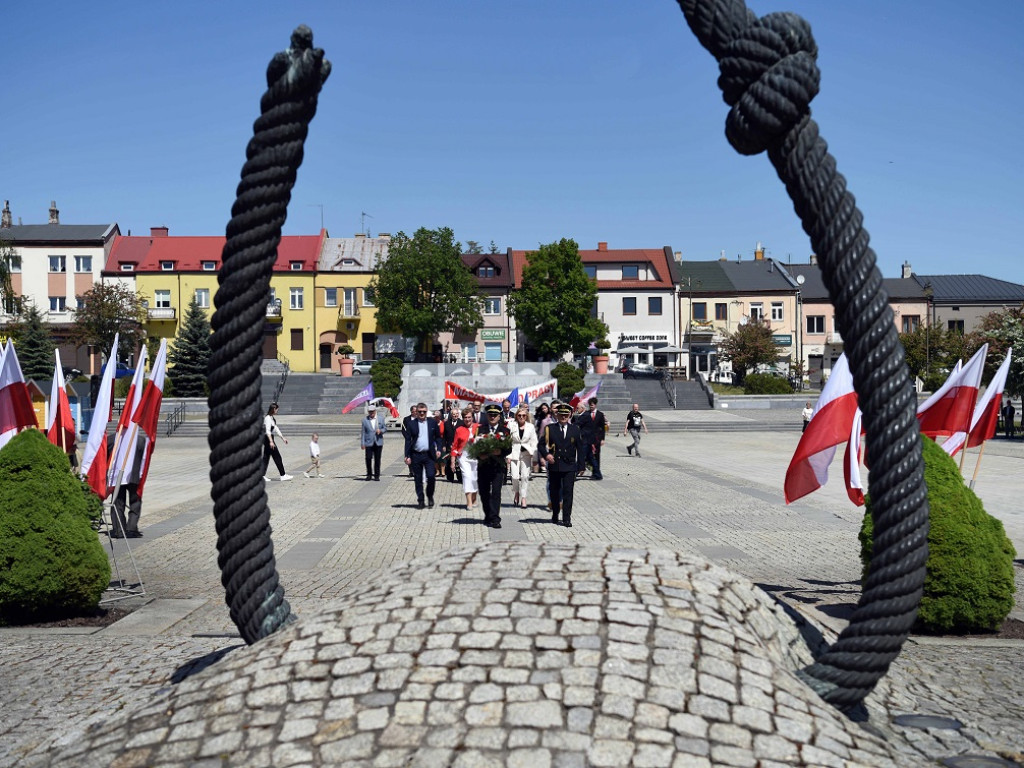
[554, 441]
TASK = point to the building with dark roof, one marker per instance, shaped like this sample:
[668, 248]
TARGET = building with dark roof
[959, 302]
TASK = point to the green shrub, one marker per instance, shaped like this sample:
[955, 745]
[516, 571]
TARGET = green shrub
[570, 379]
[51, 561]
[386, 375]
[765, 384]
[933, 381]
[969, 585]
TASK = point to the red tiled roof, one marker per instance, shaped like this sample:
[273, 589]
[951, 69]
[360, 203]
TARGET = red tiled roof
[653, 256]
[189, 253]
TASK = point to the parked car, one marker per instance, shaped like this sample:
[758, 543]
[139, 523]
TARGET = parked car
[641, 371]
[361, 367]
[123, 370]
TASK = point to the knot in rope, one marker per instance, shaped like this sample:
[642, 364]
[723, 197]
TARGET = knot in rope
[769, 76]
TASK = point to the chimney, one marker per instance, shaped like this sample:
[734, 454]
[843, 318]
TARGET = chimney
[678, 255]
[54, 213]
[383, 235]
[759, 253]
[812, 260]
[907, 270]
[158, 231]
[5, 215]
[360, 234]
[602, 246]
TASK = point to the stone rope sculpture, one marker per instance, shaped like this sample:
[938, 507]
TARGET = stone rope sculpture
[768, 77]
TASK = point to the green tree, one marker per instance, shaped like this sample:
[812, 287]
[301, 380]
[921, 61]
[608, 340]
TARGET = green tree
[556, 301]
[749, 346]
[493, 249]
[1004, 329]
[921, 348]
[108, 309]
[424, 289]
[35, 344]
[472, 246]
[188, 359]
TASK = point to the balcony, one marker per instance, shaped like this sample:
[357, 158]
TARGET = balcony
[834, 338]
[274, 310]
[348, 312]
[160, 313]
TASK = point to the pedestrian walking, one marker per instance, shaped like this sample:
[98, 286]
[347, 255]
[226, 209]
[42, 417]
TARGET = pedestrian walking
[1009, 418]
[634, 423]
[451, 426]
[520, 461]
[464, 436]
[593, 427]
[564, 454]
[371, 440]
[270, 450]
[491, 468]
[422, 449]
[314, 457]
[806, 414]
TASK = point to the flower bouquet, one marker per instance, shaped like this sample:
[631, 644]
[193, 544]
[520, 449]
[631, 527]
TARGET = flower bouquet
[485, 446]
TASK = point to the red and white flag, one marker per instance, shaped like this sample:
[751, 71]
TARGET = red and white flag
[16, 412]
[60, 426]
[949, 409]
[830, 425]
[986, 413]
[388, 403]
[584, 395]
[122, 462]
[147, 415]
[851, 464]
[94, 456]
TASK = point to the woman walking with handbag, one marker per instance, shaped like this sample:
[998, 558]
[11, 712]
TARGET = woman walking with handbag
[465, 435]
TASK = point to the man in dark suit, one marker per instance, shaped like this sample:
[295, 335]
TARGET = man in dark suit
[592, 427]
[564, 453]
[405, 427]
[422, 449]
[490, 470]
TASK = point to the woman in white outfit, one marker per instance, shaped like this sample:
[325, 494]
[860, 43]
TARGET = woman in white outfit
[524, 446]
[464, 435]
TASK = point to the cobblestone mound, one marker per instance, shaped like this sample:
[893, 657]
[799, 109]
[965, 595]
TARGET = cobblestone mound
[515, 654]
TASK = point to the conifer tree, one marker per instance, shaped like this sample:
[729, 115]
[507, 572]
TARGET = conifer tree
[189, 356]
[34, 345]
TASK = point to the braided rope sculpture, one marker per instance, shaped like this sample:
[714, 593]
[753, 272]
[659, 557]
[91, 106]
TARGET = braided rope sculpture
[245, 550]
[768, 77]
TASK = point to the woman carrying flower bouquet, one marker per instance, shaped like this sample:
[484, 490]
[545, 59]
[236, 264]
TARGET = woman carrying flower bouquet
[464, 436]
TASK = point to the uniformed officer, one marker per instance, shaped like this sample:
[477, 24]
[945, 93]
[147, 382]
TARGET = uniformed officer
[565, 456]
[490, 470]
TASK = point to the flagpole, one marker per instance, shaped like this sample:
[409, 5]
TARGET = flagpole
[963, 451]
[977, 466]
[131, 591]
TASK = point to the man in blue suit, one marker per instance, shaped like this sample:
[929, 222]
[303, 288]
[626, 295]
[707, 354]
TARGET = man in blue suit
[422, 449]
[372, 441]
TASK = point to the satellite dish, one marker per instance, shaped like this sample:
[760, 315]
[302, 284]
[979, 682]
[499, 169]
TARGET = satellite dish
[800, 279]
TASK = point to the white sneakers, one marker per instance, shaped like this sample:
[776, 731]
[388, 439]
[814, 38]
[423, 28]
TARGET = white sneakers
[266, 478]
[321, 475]
[285, 477]
[306, 474]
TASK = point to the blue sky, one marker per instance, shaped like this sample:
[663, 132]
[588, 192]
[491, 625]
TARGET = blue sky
[520, 122]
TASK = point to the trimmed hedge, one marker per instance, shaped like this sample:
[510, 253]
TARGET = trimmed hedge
[51, 561]
[969, 585]
[386, 375]
[570, 379]
[765, 384]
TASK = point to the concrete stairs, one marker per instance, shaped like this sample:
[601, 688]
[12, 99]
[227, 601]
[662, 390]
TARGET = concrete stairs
[337, 391]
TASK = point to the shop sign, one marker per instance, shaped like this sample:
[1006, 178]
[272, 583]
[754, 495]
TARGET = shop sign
[783, 339]
[492, 334]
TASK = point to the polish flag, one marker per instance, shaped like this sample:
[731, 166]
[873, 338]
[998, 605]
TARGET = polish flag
[986, 413]
[365, 396]
[16, 412]
[948, 410]
[388, 403]
[584, 395]
[147, 415]
[94, 457]
[830, 425]
[122, 463]
[851, 463]
[60, 427]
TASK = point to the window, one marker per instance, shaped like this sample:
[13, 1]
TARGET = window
[83, 263]
[911, 323]
[721, 311]
[350, 303]
[162, 299]
[777, 313]
[295, 266]
[654, 305]
[815, 323]
[12, 305]
[295, 299]
[492, 305]
[166, 266]
[492, 351]
[591, 271]
[209, 266]
[700, 310]
[756, 311]
[79, 302]
[955, 325]
[469, 352]
[330, 297]
[485, 270]
[296, 339]
[630, 272]
[203, 297]
[126, 267]
[629, 305]
[57, 264]
[14, 263]
[368, 297]
[58, 303]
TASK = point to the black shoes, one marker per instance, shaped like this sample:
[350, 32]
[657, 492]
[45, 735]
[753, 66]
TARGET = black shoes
[134, 534]
[430, 503]
[377, 478]
[368, 478]
[567, 524]
[629, 449]
[554, 518]
[420, 504]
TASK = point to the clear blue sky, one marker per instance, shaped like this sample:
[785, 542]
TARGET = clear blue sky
[520, 122]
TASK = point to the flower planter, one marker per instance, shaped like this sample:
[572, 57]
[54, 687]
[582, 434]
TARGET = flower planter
[345, 365]
[600, 363]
